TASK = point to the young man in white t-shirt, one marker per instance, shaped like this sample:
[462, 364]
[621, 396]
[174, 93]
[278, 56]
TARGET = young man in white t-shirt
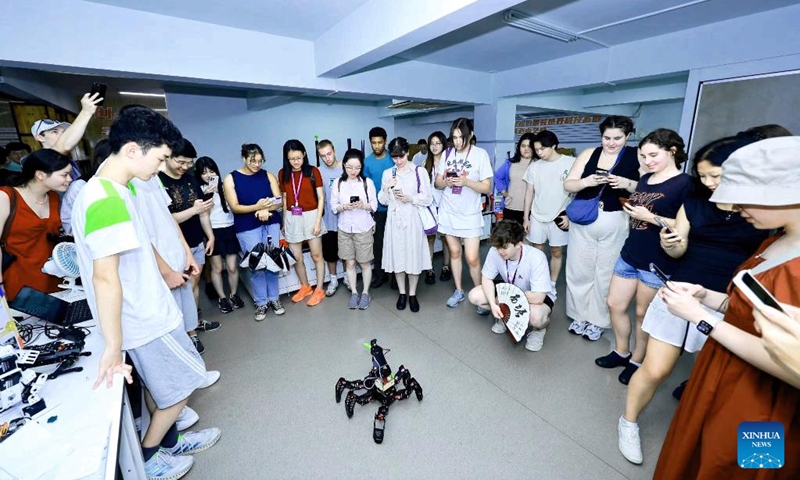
[523, 266]
[128, 295]
[546, 199]
[466, 174]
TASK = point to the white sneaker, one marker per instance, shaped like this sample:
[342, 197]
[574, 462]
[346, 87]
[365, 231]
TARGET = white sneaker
[535, 340]
[186, 418]
[347, 283]
[211, 378]
[630, 445]
[592, 332]
[499, 327]
[333, 285]
[163, 466]
[577, 327]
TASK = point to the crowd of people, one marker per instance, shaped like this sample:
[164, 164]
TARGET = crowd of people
[150, 214]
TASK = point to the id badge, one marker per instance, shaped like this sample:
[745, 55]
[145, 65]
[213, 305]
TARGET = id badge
[297, 210]
[456, 189]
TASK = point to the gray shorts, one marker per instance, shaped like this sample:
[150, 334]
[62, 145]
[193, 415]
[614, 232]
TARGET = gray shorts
[169, 367]
[199, 254]
[184, 297]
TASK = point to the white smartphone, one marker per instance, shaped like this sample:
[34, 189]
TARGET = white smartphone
[755, 291]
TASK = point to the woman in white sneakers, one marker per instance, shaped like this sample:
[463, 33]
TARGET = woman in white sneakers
[437, 142]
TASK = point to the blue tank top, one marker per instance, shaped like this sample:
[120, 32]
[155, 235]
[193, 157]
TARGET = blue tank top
[249, 190]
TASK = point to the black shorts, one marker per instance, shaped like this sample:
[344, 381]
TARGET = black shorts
[515, 215]
[330, 246]
[225, 242]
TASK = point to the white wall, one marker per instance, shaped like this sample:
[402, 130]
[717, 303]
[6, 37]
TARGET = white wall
[218, 126]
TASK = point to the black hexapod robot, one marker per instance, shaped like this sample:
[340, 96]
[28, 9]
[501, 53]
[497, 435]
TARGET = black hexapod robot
[380, 385]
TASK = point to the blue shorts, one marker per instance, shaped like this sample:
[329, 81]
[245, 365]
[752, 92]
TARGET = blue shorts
[624, 270]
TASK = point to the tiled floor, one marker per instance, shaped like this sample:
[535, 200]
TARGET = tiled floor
[491, 410]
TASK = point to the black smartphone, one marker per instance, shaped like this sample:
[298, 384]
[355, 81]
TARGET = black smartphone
[658, 273]
[101, 89]
[353, 199]
[755, 291]
[452, 173]
[208, 196]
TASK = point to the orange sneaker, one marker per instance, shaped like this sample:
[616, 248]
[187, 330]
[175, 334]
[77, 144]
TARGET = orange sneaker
[315, 299]
[305, 290]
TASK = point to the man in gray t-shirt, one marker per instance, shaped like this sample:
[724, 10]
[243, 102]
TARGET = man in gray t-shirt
[330, 169]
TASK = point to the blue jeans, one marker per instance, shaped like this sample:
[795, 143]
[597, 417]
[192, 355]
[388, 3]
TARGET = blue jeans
[264, 283]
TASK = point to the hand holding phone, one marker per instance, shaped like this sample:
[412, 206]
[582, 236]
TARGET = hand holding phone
[354, 198]
[663, 224]
[624, 201]
[100, 89]
[755, 291]
[208, 196]
[659, 273]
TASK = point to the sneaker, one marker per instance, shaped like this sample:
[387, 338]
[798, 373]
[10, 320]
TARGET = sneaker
[535, 340]
[625, 377]
[630, 445]
[612, 360]
[346, 283]
[225, 305]
[333, 285]
[678, 392]
[316, 298]
[577, 327]
[186, 419]
[353, 303]
[363, 304]
[206, 326]
[483, 311]
[305, 291]
[201, 349]
[261, 313]
[211, 378]
[277, 307]
[446, 275]
[163, 466]
[236, 301]
[499, 327]
[456, 298]
[194, 442]
[430, 277]
[592, 332]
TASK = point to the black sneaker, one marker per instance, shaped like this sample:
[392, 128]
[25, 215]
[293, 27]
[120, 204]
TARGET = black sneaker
[613, 360]
[206, 326]
[236, 301]
[626, 374]
[446, 274]
[201, 349]
[430, 277]
[225, 305]
[211, 292]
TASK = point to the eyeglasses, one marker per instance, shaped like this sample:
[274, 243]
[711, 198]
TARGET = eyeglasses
[296, 159]
[351, 168]
[183, 164]
[437, 144]
[253, 161]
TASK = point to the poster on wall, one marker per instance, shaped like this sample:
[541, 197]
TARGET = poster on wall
[569, 127]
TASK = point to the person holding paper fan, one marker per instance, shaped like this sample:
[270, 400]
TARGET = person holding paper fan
[520, 265]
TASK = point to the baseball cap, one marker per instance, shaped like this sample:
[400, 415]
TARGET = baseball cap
[763, 173]
[45, 124]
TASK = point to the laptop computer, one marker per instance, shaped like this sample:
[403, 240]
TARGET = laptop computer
[49, 308]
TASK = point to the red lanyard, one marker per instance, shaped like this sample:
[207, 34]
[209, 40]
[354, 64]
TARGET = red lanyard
[508, 276]
[296, 188]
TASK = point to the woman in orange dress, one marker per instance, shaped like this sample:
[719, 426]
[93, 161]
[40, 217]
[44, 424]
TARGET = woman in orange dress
[735, 379]
[45, 174]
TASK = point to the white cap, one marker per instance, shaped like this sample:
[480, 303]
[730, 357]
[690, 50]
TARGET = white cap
[45, 124]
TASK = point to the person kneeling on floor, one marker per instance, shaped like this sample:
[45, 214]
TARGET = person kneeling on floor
[521, 265]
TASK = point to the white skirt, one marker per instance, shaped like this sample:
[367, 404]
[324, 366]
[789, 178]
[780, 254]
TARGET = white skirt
[593, 251]
[405, 245]
[671, 329]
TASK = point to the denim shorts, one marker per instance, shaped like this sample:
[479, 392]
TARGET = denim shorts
[624, 270]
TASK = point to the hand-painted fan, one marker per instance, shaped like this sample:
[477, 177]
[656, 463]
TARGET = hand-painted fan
[516, 310]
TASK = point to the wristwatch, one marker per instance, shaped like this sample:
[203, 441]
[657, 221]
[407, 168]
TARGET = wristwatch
[706, 326]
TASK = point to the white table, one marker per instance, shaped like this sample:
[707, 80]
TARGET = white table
[110, 436]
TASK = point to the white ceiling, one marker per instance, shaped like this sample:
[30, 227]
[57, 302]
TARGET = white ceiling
[302, 19]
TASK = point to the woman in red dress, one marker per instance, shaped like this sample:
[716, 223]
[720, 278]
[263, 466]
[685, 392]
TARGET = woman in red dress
[735, 379]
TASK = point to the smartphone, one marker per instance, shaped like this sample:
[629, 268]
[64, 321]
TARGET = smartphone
[353, 199]
[624, 201]
[663, 224]
[208, 196]
[601, 171]
[188, 271]
[451, 173]
[658, 273]
[755, 291]
[101, 89]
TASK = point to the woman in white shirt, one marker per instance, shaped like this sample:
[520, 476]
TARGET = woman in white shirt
[437, 141]
[466, 174]
[226, 245]
[354, 200]
[405, 246]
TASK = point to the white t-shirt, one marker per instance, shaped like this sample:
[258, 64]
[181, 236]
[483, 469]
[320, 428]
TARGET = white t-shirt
[419, 159]
[152, 202]
[105, 222]
[532, 270]
[549, 196]
[219, 217]
[464, 209]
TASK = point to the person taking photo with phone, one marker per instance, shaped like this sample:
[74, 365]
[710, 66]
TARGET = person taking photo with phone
[735, 379]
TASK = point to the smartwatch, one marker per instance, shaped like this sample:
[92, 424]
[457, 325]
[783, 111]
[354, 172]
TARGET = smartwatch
[706, 326]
